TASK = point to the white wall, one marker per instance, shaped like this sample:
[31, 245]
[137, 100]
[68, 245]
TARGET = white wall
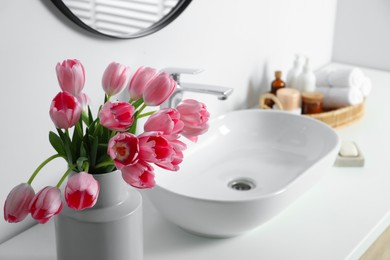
[238, 43]
[362, 33]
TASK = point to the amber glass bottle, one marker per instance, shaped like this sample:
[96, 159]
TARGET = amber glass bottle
[277, 84]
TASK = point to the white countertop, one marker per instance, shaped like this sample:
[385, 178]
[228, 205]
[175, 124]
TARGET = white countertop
[338, 218]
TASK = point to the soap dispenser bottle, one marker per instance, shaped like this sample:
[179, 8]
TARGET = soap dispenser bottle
[293, 73]
[306, 81]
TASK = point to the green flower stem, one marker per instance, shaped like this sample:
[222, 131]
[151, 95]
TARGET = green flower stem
[137, 103]
[131, 100]
[65, 175]
[86, 166]
[104, 164]
[142, 108]
[41, 166]
[145, 114]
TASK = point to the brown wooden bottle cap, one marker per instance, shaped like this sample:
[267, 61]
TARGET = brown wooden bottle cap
[278, 74]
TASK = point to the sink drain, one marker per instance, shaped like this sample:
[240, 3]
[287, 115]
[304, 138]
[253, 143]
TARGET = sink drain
[242, 184]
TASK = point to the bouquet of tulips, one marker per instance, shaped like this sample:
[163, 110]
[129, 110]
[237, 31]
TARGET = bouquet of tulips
[109, 141]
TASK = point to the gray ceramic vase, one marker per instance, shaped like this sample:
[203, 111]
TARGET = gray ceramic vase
[112, 229]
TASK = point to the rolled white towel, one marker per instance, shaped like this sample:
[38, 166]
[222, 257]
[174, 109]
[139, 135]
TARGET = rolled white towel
[366, 87]
[351, 78]
[322, 77]
[337, 97]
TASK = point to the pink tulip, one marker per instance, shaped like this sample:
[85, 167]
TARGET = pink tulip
[81, 191]
[123, 149]
[17, 204]
[46, 204]
[71, 76]
[115, 78]
[117, 115]
[195, 116]
[84, 100]
[159, 89]
[65, 110]
[177, 158]
[139, 175]
[166, 120]
[139, 81]
[154, 148]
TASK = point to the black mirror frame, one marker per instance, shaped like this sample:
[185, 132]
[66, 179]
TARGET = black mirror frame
[167, 19]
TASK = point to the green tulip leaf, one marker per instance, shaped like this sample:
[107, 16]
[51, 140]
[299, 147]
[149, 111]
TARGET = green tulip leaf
[94, 148]
[83, 151]
[57, 143]
[90, 116]
[80, 163]
[67, 146]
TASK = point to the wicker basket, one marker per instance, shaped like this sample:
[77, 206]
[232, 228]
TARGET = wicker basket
[337, 118]
[341, 117]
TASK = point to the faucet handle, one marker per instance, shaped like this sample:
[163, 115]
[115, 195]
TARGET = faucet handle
[176, 72]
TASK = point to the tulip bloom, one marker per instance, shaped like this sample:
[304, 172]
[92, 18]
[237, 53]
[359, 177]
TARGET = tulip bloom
[81, 191]
[17, 204]
[139, 175]
[84, 100]
[65, 110]
[46, 204]
[195, 116]
[115, 78]
[166, 120]
[117, 115]
[154, 148]
[159, 89]
[123, 149]
[139, 81]
[177, 158]
[71, 76]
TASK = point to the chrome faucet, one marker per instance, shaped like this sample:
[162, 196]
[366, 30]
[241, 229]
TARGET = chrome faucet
[222, 93]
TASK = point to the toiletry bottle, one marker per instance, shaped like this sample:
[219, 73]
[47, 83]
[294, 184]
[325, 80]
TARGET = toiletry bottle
[312, 102]
[293, 73]
[290, 99]
[306, 81]
[277, 84]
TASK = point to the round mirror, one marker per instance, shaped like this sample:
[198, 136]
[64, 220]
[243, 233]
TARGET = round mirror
[122, 18]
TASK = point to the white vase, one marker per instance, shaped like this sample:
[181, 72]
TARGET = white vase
[111, 230]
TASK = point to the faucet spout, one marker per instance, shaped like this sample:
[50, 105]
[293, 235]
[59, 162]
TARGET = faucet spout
[222, 93]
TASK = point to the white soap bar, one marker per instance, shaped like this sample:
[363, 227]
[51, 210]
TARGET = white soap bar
[348, 149]
[349, 155]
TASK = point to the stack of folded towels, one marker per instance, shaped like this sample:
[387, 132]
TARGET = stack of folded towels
[342, 87]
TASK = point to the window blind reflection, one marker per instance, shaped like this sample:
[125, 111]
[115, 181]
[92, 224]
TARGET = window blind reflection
[120, 17]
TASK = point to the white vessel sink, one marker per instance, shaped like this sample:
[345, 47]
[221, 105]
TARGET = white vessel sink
[249, 167]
